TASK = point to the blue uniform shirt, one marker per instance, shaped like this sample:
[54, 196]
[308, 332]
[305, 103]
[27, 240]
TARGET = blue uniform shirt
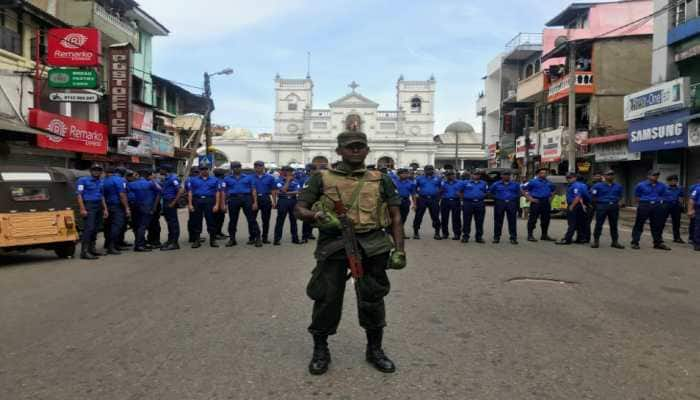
[428, 185]
[474, 190]
[648, 192]
[203, 187]
[603, 192]
[539, 188]
[406, 187]
[451, 189]
[673, 194]
[575, 190]
[264, 184]
[171, 186]
[112, 186]
[145, 191]
[505, 191]
[294, 186]
[242, 184]
[695, 195]
[90, 188]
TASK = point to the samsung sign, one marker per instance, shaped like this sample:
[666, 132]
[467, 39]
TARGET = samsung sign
[667, 95]
[667, 131]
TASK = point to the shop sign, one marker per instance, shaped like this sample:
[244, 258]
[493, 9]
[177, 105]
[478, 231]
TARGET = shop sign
[667, 95]
[72, 78]
[613, 152]
[666, 131]
[583, 167]
[69, 133]
[162, 144]
[550, 146]
[181, 152]
[694, 134]
[137, 144]
[74, 47]
[493, 151]
[120, 90]
[74, 97]
[141, 118]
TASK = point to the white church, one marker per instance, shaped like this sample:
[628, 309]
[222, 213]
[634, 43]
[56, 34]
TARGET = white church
[398, 138]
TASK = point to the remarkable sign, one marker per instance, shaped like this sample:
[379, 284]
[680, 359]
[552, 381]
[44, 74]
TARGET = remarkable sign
[74, 47]
[669, 95]
[72, 78]
[120, 90]
[69, 133]
[74, 97]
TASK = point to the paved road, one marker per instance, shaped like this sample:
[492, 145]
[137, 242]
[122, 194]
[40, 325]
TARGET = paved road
[230, 324]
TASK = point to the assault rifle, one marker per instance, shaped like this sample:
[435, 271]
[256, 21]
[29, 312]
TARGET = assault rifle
[352, 250]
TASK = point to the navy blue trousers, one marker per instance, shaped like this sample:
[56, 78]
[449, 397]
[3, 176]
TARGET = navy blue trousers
[505, 209]
[577, 221]
[236, 203]
[543, 211]
[674, 211]
[451, 207]
[265, 211]
[114, 225]
[656, 214]
[285, 209]
[405, 209]
[170, 214]
[475, 210]
[203, 208]
[142, 219]
[611, 212]
[432, 204]
[91, 222]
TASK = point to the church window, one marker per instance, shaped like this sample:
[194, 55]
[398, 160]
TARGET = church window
[387, 126]
[320, 125]
[416, 104]
[292, 106]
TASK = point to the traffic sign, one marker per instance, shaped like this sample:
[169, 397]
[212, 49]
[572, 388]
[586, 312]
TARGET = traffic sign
[74, 97]
[72, 78]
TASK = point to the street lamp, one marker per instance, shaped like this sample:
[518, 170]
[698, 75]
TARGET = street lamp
[207, 94]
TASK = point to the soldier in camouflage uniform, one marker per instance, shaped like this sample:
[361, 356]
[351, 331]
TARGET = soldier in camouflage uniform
[372, 204]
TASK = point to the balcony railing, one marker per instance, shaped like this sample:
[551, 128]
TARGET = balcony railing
[531, 86]
[524, 39]
[559, 89]
[122, 28]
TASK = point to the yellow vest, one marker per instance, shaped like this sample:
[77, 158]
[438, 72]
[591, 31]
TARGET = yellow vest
[368, 212]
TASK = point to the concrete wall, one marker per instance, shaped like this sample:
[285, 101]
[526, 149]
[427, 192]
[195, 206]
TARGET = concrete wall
[143, 66]
[620, 66]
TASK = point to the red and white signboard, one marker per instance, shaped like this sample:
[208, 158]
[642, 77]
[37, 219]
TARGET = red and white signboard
[120, 90]
[69, 133]
[142, 118]
[551, 146]
[74, 47]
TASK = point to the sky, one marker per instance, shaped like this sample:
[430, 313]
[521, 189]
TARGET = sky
[370, 41]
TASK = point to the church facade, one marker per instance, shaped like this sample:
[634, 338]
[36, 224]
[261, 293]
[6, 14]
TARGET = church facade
[304, 134]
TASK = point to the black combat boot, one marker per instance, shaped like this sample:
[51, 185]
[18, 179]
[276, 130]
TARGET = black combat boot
[93, 250]
[212, 243]
[375, 354]
[596, 244]
[322, 356]
[85, 254]
[113, 250]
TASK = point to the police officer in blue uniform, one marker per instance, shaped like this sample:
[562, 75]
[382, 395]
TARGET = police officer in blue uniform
[576, 217]
[203, 200]
[428, 191]
[506, 195]
[154, 228]
[146, 198]
[171, 196]
[267, 195]
[539, 192]
[92, 207]
[450, 204]
[191, 224]
[606, 197]
[114, 188]
[649, 195]
[287, 190]
[407, 191]
[691, 226]
[673, 203]
[220, 216]
[694, 214]
[240, 194]
[130, 176]
[473, 194]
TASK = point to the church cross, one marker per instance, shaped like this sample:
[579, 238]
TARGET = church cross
[353, 85]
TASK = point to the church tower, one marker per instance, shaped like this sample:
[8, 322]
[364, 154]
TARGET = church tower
[416, 106]
[292, 97]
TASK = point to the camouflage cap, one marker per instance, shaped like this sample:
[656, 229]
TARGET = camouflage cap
[348, 138]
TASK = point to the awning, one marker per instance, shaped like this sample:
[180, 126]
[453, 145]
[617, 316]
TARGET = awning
[17, 126]
[607, 139]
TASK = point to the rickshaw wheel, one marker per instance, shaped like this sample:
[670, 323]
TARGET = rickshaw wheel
[65, 250]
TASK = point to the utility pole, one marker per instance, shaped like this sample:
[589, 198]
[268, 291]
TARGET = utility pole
[207, 117]
[571, 148]
[527, 145]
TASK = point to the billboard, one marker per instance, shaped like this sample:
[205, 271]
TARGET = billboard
[120, 90]
[74, 47]
[667, 95]
[69, 133]
[550, 146]
[663, 132]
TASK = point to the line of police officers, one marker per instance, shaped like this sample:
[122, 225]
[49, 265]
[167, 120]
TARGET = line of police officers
[463, 202]
[122, 196]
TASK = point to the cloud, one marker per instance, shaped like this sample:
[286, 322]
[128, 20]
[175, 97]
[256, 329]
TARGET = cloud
[215, 19]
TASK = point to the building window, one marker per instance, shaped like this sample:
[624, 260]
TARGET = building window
[292, 107]
[529, 70]
[537, 66]
[680, 11]
[319, 125]
[416, 104]
[387, 126]
[10, 39]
